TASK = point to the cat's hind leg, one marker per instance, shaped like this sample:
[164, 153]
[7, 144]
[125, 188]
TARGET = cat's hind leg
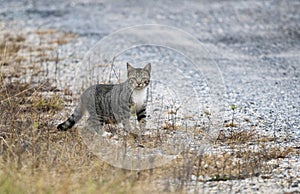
[95, 125]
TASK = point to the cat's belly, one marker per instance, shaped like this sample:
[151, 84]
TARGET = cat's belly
[111, 120]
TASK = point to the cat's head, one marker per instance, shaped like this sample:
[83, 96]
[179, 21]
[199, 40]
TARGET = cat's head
[138, 78]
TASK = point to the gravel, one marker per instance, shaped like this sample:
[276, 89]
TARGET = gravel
[256, 45]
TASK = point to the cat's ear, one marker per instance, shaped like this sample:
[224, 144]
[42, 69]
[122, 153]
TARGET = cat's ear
[129, 67]
[148, 67]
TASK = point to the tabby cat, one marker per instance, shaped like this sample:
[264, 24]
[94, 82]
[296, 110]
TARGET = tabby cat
[114, 103]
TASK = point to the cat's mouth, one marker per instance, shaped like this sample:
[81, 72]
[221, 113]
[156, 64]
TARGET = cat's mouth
[140, 86]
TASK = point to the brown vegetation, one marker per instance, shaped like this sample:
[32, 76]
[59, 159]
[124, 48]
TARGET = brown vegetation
[35, 158]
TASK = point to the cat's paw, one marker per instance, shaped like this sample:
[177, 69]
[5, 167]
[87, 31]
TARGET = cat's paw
[142, 124]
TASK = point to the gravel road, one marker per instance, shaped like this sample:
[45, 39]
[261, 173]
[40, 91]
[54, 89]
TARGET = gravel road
[256, 45]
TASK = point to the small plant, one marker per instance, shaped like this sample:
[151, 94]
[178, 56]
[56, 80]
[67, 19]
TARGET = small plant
[232, 124]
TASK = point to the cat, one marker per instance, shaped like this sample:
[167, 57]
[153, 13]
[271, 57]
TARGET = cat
[114, 103]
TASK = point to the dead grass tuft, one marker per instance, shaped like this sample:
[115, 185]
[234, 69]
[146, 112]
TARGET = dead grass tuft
[233, 136]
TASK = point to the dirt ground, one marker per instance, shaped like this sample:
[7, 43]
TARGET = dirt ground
[254, 44]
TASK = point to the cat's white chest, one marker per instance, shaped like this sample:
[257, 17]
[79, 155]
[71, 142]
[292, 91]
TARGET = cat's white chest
[139, 97]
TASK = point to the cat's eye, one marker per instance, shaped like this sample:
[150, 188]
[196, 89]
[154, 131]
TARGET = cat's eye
[144, 80]
[133, 79]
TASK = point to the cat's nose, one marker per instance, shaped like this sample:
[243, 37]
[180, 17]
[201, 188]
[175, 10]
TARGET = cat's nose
[140, 84]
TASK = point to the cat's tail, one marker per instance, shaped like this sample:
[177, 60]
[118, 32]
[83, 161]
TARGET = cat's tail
[73, 119]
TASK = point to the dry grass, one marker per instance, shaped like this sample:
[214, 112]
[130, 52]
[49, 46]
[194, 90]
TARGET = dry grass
[35, 158]
[31, 150]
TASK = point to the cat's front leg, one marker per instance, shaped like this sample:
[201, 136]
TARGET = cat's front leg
[129, 130]
[126, 125]
[141, 117]
[142, 124]
[95, 125]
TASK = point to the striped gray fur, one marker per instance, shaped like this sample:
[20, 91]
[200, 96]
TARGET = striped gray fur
[113, 103]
